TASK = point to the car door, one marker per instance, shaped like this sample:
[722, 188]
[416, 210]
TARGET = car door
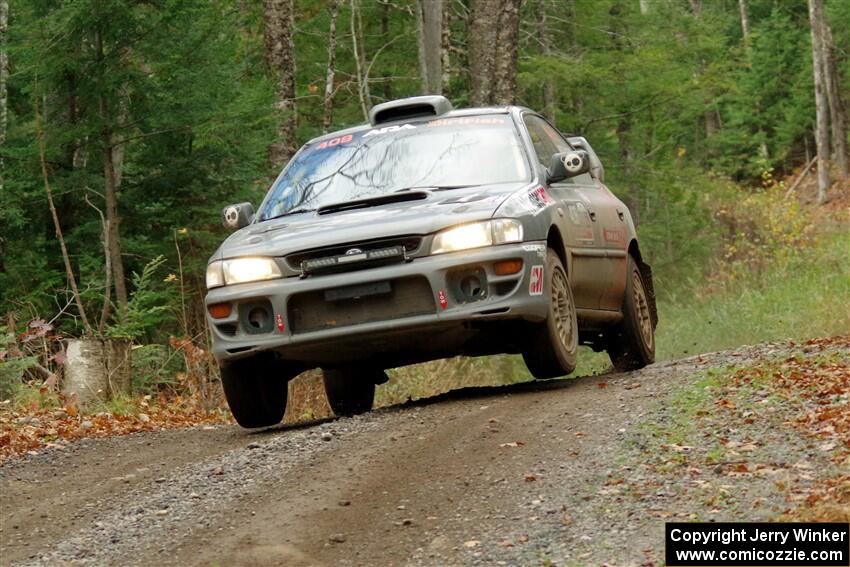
[578, 218]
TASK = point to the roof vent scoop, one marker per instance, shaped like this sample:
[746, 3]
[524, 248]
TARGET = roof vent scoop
[406, 108]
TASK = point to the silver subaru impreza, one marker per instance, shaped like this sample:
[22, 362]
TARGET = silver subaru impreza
[427, 233]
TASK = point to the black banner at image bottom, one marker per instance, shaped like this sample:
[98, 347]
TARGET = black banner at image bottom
[763, 544]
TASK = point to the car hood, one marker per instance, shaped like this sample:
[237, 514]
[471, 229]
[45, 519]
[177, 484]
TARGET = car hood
[441, 209]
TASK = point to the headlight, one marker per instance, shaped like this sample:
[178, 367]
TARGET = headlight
[476, 235]
[215, 277]
[241, 270]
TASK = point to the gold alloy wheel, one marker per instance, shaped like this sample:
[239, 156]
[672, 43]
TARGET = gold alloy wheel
[642, 309]
[562, 309]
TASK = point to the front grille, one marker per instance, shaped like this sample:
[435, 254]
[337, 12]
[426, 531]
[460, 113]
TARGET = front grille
[297, 261]
[406, 297]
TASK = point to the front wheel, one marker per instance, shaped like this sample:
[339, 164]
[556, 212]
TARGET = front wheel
[553, 346]
[256, 389]
[631, 345]
[351, 391]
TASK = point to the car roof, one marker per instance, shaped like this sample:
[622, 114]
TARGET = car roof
[458, 113]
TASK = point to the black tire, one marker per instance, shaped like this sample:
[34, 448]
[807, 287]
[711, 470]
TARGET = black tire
[631, 345]
[553, 346]
[351, 391]
[256, 389]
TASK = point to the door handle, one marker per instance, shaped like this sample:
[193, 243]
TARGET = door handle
[592, 215]
[621, 214]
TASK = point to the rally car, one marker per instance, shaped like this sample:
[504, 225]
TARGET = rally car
[427, 233]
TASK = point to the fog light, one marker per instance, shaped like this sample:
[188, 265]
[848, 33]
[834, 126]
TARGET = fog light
[507, 267]
[258, 318]
[219, 310]
[471, 287]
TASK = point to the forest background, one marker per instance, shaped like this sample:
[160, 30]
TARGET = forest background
[125, 127]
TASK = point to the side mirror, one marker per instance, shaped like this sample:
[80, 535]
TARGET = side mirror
[597, 170]
[237, 216]
[568, 164]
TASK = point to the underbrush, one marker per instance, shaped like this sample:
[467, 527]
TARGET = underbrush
[779, 275]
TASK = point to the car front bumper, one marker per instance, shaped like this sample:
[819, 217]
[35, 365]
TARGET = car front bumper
[427, 299]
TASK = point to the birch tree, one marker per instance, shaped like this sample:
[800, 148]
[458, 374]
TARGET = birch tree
[838, 124]
[280, 58]
[328, 103]
[446, 46]
[360, 62]
[546, 50]
[821, 102]
[745, 21]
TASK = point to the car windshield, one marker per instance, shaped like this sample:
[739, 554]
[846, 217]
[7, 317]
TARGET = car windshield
[435, 153]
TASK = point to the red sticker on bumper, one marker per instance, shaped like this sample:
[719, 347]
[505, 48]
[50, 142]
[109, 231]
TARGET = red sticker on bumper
[441, 296]
[278, 318]
[535, 282]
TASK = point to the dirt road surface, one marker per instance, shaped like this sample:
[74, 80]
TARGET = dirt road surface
[518, 475]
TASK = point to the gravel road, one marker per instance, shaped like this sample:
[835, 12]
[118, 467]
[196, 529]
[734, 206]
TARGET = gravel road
[516, 475]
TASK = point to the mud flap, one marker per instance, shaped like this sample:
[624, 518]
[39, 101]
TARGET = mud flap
[646, 276]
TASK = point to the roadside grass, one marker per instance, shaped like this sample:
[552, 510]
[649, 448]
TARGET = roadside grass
[677, 434]
[774, 429]
[807, 295]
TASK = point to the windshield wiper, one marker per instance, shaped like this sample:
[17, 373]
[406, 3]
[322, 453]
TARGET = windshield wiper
[367, 202]
[438, 187]
[292, 212]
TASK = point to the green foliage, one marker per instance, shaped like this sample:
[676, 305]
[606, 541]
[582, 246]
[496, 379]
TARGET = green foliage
[11, 375]
[154, 367]
[147, 308]
[11, 368]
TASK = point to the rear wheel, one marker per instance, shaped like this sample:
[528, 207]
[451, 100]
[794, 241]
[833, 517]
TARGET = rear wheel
[351, 391]
[553, 345]
[631, 345]
[256, 389]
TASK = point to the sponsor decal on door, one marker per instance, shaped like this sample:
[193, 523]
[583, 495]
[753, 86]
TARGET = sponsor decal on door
[535, 284]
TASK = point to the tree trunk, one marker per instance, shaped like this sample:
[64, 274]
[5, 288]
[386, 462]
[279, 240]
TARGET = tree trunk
[4, 74]
[328, 114]
[111, 182]
[386, 86]
[429, 19]
[821, 103]
[838, 119]
[69, 271]
[360, 60]
[483, 21]
[97, 370]
[546, 50]
[745, 21]
[280, 58]
[507, 47]
[112, 219]
[446, 47]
